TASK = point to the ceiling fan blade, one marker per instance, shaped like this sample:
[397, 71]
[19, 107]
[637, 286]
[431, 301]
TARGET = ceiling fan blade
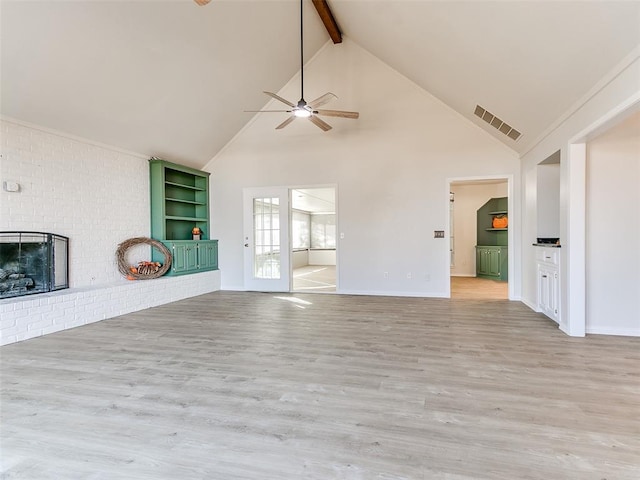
[338, 113]
[280, 99]
[286, 122]
[267, 111]
[320, 123]
[327, 97]
[202, 2]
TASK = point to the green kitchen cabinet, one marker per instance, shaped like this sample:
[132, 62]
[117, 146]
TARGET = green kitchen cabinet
[492, 262]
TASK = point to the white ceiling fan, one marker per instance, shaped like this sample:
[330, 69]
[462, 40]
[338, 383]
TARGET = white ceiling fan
[303, 109]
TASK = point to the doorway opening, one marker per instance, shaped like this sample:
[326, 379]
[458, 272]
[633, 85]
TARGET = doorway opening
[479, 239]
[313, 240]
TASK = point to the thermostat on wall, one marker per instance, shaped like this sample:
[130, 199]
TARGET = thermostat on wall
[8, 186]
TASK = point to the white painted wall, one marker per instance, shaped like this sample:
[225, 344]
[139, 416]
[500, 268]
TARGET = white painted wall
[613, 230]
[322, 257]
[390, 167]
[617, 92]
[468, 199]
[299, 258]
[548, 198]
[96, 195]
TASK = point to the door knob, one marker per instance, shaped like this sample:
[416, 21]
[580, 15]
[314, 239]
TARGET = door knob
[246, 244]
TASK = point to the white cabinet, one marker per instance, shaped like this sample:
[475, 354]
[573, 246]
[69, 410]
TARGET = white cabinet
[548, 262]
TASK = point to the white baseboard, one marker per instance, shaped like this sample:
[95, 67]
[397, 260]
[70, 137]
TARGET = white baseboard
[604, 330]
[395, 294]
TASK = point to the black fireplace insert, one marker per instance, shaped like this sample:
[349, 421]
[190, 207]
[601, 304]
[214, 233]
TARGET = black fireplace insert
[33, 262]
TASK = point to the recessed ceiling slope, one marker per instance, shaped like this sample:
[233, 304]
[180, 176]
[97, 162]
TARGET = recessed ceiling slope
[168, 79]
[527, 62]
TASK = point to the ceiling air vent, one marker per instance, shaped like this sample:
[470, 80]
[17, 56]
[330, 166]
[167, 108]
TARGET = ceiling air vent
[495, 122]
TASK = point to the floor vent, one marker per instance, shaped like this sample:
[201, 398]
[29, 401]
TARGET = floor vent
[495, 122]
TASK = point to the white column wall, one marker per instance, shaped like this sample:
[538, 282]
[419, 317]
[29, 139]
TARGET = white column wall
[615, 94]
[613, 230]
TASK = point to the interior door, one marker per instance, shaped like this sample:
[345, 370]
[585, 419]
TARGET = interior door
[266, 239]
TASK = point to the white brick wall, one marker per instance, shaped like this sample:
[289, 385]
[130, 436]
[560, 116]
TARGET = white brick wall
[95, 195]
[98, 197]
[33, 316]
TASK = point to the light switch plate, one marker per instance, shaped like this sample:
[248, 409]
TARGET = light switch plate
[438, 234]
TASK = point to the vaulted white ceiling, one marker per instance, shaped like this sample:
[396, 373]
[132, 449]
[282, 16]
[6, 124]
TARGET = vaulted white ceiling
[171, 79]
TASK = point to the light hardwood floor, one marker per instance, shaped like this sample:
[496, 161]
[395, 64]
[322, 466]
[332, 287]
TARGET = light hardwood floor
[236, 385]
[476, 288]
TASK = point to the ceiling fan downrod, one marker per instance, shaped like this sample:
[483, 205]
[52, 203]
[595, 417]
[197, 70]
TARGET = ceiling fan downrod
[301, 57]
[303, 109]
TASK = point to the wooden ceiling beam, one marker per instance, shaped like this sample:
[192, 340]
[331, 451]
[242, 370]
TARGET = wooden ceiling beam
[327, 18]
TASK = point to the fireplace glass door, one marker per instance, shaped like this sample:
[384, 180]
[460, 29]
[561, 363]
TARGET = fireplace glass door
[32, 262]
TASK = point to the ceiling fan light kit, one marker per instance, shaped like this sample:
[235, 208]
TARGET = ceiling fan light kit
[302, 113]
[303, 109]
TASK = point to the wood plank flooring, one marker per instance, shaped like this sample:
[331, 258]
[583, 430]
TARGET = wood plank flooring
[238, 385]
[476, 288]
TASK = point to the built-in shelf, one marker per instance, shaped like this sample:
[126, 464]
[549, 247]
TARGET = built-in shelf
[500, 212]
[189, 219]
[188, 187]
[184, 201]
[496, 229]
[180, 203]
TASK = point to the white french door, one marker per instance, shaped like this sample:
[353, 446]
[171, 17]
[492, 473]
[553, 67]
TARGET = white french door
[266, 239]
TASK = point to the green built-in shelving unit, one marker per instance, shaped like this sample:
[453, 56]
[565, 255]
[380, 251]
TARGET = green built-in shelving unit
[491, 243]
[180, 202]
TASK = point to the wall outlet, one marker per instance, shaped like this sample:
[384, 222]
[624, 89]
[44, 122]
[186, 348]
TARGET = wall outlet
[386, 274]
[409, 275]
[427, 277]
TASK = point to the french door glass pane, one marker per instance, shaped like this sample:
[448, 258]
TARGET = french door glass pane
[266, 234]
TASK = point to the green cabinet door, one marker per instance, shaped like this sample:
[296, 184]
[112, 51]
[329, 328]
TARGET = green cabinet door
[494, 262]
[482, 261]
[178, 252]
[208, 255]
[191, 256]
[184, 257]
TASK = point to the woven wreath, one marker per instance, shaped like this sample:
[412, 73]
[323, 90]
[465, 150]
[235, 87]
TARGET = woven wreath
[125, 268]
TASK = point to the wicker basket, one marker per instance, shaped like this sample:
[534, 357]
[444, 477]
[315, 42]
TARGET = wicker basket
[125, 268]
